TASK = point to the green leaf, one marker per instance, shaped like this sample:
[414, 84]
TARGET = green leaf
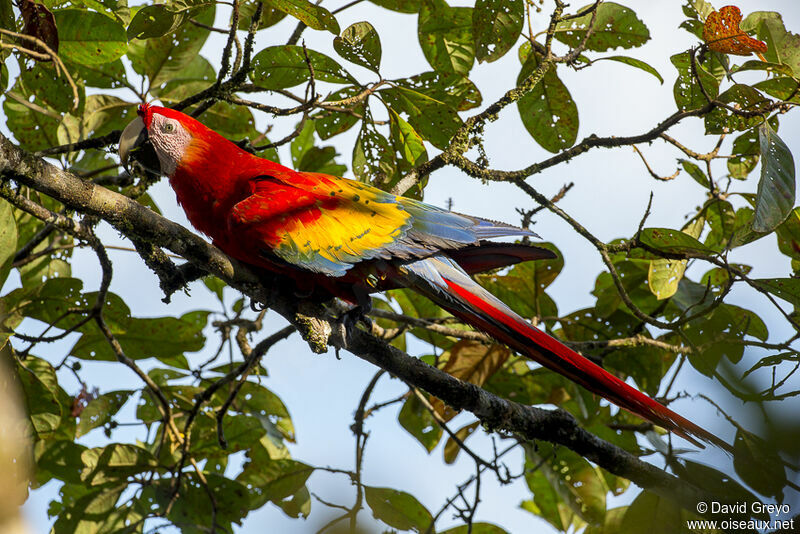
[275, 479]
[8, 240]
[400, 6]
[563, 484]
[166, 58]
[695, 172]
[321, 159]
[786, 288]
[445, 35]
[60, 459]
[758, 65]
[181, 397]
[587, 325]
[664, 276]
[646, 365]
[69, 130]
[360, 44]
[633, 62]
[687, 91]
[106, 76]
[314, 16]
[774, 360]
[653, 514]
[196, 75]
[407, 141]
[615, 26]
[281, 67]
[310, 158]
[165, 338]
[673, 241]
[242, 432]
[519, 388]
[719, 276]
[759, 464]
[548, 111]
[523, 287]
[104, 113]
[476, 528]
[612, 523]
[302, 143]
[398, 509]
[114, 9]
[783, 47]
[114, 462]
[776, 187]
[152, 21]
[745, 152]
[373, 156]
[255, 399]
[49, 301]
[270, 16]
[231, 121]
[435, 121]
[420, 423]
[89, 38]
[48, 266]
[163, 376]
[100, 410]
[193, 511]
[413, 304]
[697, 9]
[743, 232]
[48, 88]
[41, 398]
[298, 505]
[781, 88]
[496, 25]
[453, 89]
[740, 96]
[33, 130]
[789, 235]
[7, 16]
[332, 123]
[87, 510]
[713, 481]
[722, 220]
[719, 333]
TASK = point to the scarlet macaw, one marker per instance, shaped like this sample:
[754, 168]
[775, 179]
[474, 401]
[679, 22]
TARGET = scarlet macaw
[353, 239]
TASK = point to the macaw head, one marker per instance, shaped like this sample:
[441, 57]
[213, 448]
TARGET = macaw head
[162, 139]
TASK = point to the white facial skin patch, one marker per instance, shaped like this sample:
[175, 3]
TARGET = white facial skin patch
[170, 141]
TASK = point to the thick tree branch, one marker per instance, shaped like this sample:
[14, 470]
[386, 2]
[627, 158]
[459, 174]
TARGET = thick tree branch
[310, 318]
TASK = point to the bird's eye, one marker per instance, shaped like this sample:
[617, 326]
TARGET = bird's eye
[168, 127]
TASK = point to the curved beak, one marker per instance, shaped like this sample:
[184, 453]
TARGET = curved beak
[134, 143]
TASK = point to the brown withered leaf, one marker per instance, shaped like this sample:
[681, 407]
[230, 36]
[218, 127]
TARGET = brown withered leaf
[452, 448]
[39, 22]
[474, 362]
[80, 401]
[722, 33]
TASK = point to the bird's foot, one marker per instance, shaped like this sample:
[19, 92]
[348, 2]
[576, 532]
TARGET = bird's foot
[348, 321]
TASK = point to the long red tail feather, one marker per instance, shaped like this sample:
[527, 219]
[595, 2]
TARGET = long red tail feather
[476, 306]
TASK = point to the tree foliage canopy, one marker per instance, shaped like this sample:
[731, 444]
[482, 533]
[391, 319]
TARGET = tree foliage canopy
[73, 73]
